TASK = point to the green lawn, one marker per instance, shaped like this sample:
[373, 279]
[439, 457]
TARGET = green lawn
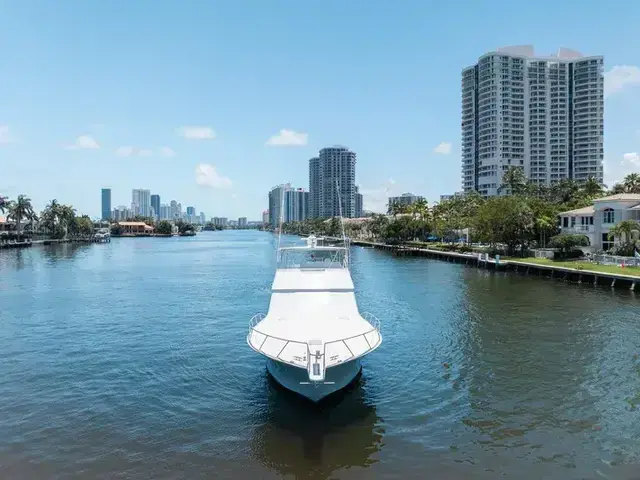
[633, 271]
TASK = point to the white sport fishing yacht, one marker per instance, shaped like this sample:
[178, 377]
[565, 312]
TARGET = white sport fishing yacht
[313, 334]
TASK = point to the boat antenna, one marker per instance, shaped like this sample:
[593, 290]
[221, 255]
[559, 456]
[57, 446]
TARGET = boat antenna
[344, 237]
[280, 220]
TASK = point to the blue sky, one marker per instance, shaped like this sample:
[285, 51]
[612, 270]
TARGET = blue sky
[182, 97]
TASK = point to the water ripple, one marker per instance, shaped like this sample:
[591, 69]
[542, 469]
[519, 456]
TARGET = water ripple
[129, 360]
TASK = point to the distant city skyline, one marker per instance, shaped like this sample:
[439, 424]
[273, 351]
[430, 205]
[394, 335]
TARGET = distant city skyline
[239, 116]
[147, 204]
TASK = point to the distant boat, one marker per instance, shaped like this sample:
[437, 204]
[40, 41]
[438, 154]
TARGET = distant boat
[313, 334]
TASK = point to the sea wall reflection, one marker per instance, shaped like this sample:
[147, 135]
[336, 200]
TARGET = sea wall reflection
[296, 437]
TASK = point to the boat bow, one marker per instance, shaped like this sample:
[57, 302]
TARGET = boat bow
[315, 355]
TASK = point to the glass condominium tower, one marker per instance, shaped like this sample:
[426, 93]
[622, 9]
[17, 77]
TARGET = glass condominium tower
[332, 164]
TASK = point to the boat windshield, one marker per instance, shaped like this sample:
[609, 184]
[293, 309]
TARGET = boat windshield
[312, 258]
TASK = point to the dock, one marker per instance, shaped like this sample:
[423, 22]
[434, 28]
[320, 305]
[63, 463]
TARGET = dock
[573, 275]
[15, 243]
[78, 239]
[54, 241]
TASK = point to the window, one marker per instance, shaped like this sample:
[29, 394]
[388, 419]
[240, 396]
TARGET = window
[606, 242]
[565, 222]
[608, 215]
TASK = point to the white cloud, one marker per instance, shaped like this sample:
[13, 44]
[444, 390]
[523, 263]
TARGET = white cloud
[615, 171]
[288, 138]
[125, 151]
[167, 152]
[5, 137]
[4, 134]
[208, 176]
[376, 199]
[196, 133]
[83, 142]
[620, 77]
[632, 158]
[128, 151]
[443, 148]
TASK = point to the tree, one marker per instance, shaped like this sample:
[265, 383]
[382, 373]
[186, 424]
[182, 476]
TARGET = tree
[617, 189]
[568, 242]
[21, 209]
[624, 233]
[402, 229]
[632, 183]
[164, 227]
[378, 225]
[4, 204]
[592, 188]
[568, 192]
[396, 208]
[184, 227]
[545, 226]
[66, 216]
[51, 219]
[624, 229]
[514, 180]
[508, 220]
[335, 229]
[81, 225]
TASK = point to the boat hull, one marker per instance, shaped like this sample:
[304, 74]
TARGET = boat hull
[297, 380]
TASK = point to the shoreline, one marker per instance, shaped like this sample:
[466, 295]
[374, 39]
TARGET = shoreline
[572, 275]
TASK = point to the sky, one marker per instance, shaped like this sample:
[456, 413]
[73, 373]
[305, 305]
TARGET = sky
[212, 103]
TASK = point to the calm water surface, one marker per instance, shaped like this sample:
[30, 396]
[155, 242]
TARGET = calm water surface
[128, 360]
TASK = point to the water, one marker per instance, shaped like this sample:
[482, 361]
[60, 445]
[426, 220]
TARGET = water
[128, 360]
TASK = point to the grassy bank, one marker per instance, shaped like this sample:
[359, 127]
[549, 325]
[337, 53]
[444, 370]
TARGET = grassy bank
[578, 265]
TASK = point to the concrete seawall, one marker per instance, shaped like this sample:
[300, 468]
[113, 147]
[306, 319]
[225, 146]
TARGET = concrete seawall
[574, 275]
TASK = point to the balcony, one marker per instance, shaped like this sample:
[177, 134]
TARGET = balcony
[578, 229]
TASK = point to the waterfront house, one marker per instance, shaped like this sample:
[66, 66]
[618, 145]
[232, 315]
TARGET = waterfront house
[6, 225]
[135, 228]
[30, 227]
[596, 220]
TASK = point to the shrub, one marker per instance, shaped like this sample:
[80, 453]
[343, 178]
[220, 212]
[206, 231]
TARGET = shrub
[571, 254]
[567, 242]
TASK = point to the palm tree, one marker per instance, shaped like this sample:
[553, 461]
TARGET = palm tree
[617, 188]
[51, 216]
[624, 230]
[545, 225]
[4, 204]
[632, 183]
[67, 214]
[396, 208]
[513, 178]
[592, 188]
[566, 191]
[21, 209]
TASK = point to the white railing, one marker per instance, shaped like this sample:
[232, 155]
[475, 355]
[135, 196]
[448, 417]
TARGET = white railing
[373, 321]
[544, 253]
[255, 320]
[616, 260]
[579, 229]
[368, 317]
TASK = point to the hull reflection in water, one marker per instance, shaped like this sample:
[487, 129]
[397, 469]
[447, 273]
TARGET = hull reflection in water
[297, 380]
[306, 440]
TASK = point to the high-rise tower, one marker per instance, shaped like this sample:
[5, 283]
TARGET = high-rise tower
[333, 167]
[542, 114]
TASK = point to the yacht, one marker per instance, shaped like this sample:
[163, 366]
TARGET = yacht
[313, 335]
